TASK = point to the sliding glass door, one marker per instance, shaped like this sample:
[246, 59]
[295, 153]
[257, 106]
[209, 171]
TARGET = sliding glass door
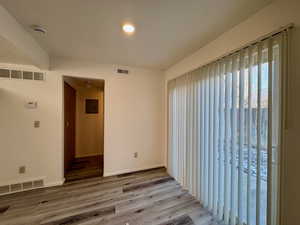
[224, 132]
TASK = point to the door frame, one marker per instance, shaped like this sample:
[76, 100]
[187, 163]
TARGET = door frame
[72, 123]
[63, 119]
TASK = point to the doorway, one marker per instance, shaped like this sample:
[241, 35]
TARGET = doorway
[83, 128]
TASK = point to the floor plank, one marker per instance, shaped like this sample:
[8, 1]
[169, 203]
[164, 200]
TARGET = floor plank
[81, 216]
[183, 220]
[3, 209]
[85, 167]
[149, 197]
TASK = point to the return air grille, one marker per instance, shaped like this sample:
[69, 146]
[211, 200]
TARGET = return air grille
[23, 186]
[19, 74]
[4, 73]
[15, 187]
[16, 74]
[122, 71]
[4, 189]
[27, 75]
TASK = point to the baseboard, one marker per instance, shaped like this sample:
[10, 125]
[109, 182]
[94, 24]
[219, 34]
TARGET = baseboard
[107, 174]
[55, 183]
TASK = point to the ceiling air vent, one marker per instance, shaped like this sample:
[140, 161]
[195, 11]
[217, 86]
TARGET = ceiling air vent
[122, 71]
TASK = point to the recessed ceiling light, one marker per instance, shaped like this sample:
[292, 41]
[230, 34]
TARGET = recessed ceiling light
[128, 28]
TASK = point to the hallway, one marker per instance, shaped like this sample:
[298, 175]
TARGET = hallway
[85, 167]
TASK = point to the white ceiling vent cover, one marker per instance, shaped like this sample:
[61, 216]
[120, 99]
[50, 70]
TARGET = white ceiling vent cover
[122, 71]
[21, 75]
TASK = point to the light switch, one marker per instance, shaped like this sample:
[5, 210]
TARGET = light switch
[31, 105]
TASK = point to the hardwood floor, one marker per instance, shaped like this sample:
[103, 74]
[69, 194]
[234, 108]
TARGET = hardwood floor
[85, 167]
[148, 197]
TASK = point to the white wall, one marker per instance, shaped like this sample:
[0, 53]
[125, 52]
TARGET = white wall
[277, 14]
[133, 121]
[23, 43]
[39, 149]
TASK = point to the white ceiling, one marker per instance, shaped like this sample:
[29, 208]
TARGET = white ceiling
[78, 82]
[166, 30]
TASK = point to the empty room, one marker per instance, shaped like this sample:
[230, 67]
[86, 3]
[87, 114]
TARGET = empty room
[162, 112]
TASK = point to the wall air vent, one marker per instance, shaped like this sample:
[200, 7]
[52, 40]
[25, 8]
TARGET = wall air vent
[4, 73]
[15, 74]
[18, 74]
[122, 71]
[27, 75]
[38, 76]
[15, 187]
[23, 186]
[27, 185]
[4, 189]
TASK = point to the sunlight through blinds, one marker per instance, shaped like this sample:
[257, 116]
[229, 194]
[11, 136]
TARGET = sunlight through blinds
[224, 130]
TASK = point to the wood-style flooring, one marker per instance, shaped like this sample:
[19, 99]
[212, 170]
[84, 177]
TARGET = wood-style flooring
[147, 197]
[85, 167]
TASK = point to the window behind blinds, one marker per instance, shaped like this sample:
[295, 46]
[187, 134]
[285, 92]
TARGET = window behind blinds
[224, 140]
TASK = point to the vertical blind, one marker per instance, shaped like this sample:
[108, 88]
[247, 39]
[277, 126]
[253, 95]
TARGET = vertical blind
[224, 121]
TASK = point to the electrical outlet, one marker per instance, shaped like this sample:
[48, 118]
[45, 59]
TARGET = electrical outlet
[22, 169]
[36, 124]
[126, 223]
[135, 155]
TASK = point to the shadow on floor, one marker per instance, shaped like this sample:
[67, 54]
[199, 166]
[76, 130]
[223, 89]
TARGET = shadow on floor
[85, 167]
